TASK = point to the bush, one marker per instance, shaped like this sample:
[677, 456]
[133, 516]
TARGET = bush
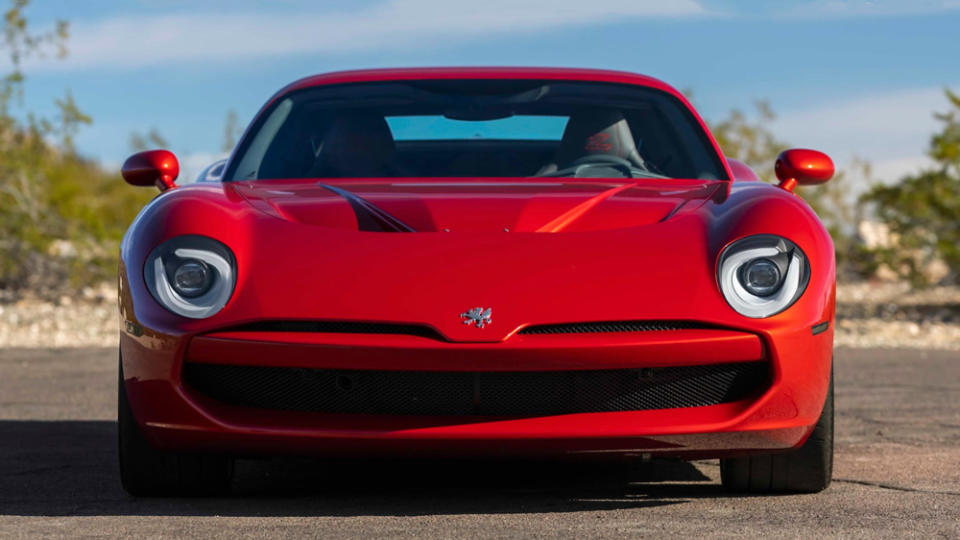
[923, 210]
[61, 216]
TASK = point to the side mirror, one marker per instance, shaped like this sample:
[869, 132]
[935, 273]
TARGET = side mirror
[152, 168]
[804, 167]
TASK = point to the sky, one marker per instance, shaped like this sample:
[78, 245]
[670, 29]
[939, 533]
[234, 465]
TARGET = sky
[856, 79]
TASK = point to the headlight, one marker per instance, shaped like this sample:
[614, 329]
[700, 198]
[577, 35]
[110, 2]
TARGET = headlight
[762, 275]
[190, 275]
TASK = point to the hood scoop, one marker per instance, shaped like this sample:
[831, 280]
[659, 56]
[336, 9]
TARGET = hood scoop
[476, 205]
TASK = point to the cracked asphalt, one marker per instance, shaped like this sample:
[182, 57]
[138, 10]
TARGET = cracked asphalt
[896, 473]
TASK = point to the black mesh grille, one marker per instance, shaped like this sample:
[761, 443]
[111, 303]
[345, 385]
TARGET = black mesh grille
[339, 327]
[476, 393]
[611, 326]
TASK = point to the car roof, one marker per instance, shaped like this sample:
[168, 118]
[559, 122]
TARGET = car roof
[548, 73]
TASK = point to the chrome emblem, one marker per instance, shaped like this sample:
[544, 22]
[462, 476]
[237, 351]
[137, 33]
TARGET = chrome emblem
[477, 316]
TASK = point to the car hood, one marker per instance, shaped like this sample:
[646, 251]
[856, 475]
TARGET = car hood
[476, 205]
[644, 251]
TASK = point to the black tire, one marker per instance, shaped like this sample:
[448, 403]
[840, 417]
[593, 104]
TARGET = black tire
[807, 469]
[147, 472]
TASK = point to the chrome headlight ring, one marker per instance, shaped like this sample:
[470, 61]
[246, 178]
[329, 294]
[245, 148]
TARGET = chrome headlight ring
[208, 260]
[779, 257]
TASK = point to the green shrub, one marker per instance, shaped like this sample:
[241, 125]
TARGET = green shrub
[923, 209]
[49, 196]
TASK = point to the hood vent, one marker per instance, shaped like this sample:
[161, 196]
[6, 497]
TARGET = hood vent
[370, 217]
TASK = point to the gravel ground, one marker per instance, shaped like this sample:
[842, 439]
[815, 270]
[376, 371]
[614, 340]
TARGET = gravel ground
[869, 315]
[885, 315]
[88, 319]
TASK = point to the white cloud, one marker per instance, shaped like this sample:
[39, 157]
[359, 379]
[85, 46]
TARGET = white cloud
[891, 130]
[862, 8]
[139, 41]
[891, 170]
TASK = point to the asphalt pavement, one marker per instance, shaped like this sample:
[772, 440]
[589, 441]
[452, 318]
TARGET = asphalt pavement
[897, 473]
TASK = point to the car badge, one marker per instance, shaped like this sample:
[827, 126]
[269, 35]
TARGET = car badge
[477, 316]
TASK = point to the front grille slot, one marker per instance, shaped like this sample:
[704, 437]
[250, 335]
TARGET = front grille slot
[338, 327]
[476, 393]
[612, 326]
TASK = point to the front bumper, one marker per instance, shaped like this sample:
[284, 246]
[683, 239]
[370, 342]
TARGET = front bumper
[780, 415]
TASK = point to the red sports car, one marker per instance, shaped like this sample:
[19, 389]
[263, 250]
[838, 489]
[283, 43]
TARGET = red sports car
[477, 261]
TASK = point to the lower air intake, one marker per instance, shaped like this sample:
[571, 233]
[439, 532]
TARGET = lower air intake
[476, 393]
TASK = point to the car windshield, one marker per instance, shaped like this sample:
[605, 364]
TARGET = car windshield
[476, 128]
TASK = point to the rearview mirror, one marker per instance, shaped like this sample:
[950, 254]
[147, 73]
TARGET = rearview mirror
[152, 168]
[804, 167]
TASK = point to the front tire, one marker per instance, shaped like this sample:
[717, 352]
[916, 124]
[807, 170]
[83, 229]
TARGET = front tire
[807, 469]
[147, 472]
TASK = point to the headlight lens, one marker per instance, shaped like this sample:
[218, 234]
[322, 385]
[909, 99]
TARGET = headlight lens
[762, 275]
[192, 276]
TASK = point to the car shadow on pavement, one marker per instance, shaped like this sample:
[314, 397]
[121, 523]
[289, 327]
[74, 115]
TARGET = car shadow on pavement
[68, 468]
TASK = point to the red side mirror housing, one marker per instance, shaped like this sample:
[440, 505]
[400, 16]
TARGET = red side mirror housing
[804, 167]
[152, 168]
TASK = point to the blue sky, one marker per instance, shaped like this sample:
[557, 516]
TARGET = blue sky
[852, 78]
